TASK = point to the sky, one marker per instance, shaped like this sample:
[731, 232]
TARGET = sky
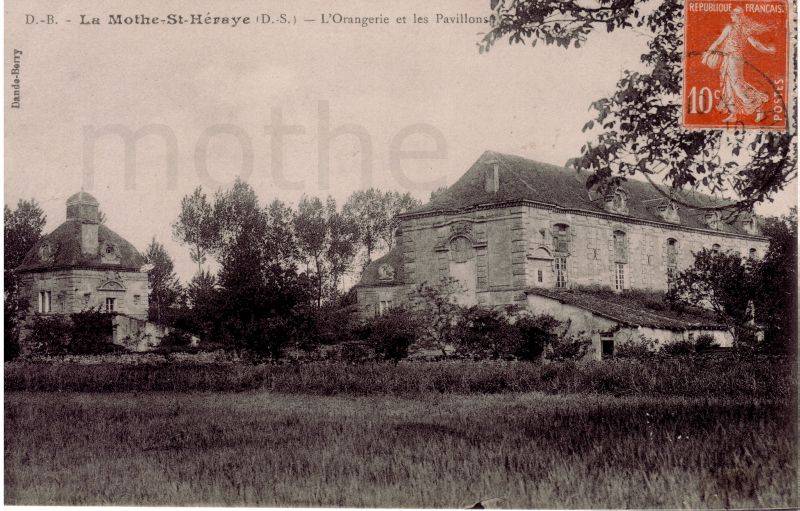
[350, 100]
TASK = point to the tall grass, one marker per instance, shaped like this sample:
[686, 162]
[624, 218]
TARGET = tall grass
[432, 450]
[689, 376]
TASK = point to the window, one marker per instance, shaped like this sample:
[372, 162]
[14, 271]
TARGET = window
[753, 253]
[715, 249]
[384, 306]
[620, 246]
[672, 255]
[561, 271]
[86, 298]
[110, 304]
[619, 277]
[539, 276]
[109, 249]
[561, 238]
[137, 299]
[44, 302]
[607, 347]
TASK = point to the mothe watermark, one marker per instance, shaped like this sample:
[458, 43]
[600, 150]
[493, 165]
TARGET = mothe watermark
[278, 133]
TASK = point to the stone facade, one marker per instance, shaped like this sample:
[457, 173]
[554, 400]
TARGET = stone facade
[498, 237]
[80, 289]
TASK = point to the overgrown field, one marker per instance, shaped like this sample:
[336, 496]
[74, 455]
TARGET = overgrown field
[712, 377]
[443, 450]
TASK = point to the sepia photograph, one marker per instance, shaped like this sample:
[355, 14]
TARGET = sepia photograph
[462, 254]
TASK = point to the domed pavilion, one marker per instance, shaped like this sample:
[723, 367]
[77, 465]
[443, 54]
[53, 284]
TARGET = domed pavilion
[83, 264]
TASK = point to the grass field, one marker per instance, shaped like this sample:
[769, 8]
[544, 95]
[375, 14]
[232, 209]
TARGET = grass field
[428, 450]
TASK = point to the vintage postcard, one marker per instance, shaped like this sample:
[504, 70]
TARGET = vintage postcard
[514, 254]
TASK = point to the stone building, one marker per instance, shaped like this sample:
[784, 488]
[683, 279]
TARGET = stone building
[516, 231]
[83, 264]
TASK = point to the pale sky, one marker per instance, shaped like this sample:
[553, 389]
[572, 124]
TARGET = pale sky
[427, 80]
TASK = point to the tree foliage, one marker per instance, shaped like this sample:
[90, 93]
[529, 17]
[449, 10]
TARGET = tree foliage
[776, 294]
[165, 289]
[326, 239]
[637, 129]
[373, 212]
[195, 227]
[22, 228]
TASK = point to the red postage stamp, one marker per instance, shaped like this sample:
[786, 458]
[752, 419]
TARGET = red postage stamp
[735, 64]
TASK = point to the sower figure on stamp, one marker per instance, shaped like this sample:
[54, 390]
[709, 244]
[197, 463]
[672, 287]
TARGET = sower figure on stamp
[738, 96]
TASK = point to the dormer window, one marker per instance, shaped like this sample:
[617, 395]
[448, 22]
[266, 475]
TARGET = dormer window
[713, 220]
[668, 211]
[46, 253]
[748, 224]
[617, 201]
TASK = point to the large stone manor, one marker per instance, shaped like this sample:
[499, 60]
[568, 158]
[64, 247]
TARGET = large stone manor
[516, 231]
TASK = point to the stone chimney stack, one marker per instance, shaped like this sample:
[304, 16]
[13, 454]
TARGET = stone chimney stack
[83, 208]
[492, 177]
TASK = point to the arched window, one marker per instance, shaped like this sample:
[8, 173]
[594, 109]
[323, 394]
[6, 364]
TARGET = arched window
[753, 253]
[715, 249]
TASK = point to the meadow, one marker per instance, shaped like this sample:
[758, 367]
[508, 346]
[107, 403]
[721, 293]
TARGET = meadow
[283, 437]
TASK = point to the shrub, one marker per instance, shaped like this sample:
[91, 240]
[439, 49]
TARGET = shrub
[568, 348]
[391, 334]
[47, 334]
[535, 334]
[331, 324]
[354, 352]
[483, 333]
[176, 339]
[91, 333]
[640, 347]
[705, 343]
[678, 348]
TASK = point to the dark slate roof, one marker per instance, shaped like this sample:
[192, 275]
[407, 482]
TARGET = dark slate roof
[65, 241]
[394, 258]
[524, 179]
[83, 197]
[632, 311]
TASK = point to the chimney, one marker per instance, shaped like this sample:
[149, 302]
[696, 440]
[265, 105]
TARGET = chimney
[492, 177]
[83, 208]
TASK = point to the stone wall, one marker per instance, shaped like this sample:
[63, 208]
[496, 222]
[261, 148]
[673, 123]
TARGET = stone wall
[511, 245]
[76, 290]
[497, 253]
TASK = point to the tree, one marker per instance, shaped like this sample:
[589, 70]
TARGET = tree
[723, 282]
[22, 229]
[326, 240]
[637, 128]
[776, 301]
[440, 311]
[195, 227]
[373, 212]
[165, 290]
